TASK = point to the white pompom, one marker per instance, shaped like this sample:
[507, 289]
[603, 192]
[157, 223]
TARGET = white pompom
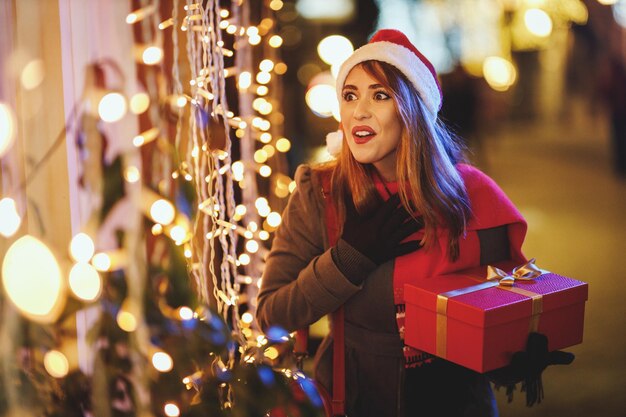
[334, 141]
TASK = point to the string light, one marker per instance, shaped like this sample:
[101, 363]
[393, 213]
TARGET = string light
[85, 282]
[273, 219]
[185, 313]
[82, 247]
[162, 362]
[112, 107]
[56, 364]
[10, 220]
[247, 318]
[244, 80]
[538, 22]
[7, 128]
[171, 410]
[140, 14]
[32, 279]
[127, 316]
[264, 235]
[265, 137]
[265, 171]
[162, 211]
[132, 174]
[252, 246]
[275, 41]
[101, 261]
[139, 103]
[152, 55]
[499, 73]
[283, 145]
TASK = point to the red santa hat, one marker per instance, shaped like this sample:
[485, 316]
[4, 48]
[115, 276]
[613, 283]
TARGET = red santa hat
[394, 48]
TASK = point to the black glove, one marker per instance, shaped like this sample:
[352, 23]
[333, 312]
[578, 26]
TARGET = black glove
[378, 234]
[527, 367]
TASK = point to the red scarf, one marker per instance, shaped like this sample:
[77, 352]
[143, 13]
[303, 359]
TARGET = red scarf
[490, 208]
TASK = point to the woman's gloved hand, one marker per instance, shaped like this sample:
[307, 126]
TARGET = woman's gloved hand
[379, 233]
[527, 367]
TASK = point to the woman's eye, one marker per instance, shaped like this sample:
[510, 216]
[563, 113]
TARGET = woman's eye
[381, 95]
[349, 96]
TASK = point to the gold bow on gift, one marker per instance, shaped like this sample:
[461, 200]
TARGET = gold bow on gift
[527, 272]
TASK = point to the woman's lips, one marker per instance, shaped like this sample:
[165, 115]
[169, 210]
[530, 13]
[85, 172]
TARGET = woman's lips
[362, 139]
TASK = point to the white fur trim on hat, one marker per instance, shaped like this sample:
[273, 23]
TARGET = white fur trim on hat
[406, 61]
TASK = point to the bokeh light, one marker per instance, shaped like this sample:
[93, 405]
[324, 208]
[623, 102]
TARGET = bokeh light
[162, 211]
[82, 247]
[112, 107]
[162, 362]
[139, 103]
[499, 73]
[335, 49]
[171, 410]
[322, 99]
[33, 74]
[538, 22]
[10, 219]
[85, 282]
[7, 128]
[56, 364]
[152, 55]
[32, 279]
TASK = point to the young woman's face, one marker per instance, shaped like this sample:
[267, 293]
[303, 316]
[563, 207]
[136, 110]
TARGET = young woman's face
[370, 122]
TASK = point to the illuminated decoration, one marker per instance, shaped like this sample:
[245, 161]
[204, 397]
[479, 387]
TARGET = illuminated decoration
[56, 364]
[340, 11]
[322, 99]
[140, 14]
[162, 211]
[127, 316]
[608, 2]
[247, 318]
[499, 73]
[139, 103]
[619, 13]
[82, 247]
[185, 313]
[7, 128]
[132, 174]
[33, 74]
[112, 107]
[85, 282]
[32, 279]
[10, 219]
[171, 410]
[538, 22]
[146, 137]
[162, 362]
[335, 49]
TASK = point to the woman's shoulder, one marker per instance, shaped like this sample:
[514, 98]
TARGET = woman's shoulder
[475, 179]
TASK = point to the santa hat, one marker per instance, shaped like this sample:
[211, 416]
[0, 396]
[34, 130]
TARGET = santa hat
[394, 48]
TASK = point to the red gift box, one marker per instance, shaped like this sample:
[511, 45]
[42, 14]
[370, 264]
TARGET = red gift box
[481, 323]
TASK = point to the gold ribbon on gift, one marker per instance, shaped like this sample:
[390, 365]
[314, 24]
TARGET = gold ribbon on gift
[495, 278]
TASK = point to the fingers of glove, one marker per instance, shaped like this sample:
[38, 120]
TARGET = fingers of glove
[407, 247]
[560, 358]
[405, 230]
[397, 218]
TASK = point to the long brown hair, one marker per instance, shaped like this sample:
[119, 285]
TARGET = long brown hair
[425, 166]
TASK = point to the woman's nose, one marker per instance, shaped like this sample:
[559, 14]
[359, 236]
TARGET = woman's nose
[362, 110]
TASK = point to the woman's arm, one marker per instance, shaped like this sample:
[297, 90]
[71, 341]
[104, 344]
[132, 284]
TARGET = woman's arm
[301, 283]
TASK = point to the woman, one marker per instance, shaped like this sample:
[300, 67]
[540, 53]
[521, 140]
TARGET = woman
[408, 209]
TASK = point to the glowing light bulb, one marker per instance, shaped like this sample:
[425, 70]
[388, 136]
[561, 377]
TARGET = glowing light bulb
[271, 353]
[162, 362]
[335, 49]
[85, 281]
[264, 211]
[283, 145]
[237, 168]
[264, 235]
[262, 90]
[240, 210]
[245, 80]
[178, 233]
[185, 313]
[112, 107]
[265, 137]
[132, 174]
[82, 247]
[499, 73]
[152, 55]
[266, 65]
[139, 103]
[261, 202]
[269, 150]
[254, 40]
[244, 259]
[275, 41]
[252, 246]
[171, 410]
[127, 316]
[263, 77]
[162, 211]
[292, 186]
[7, 128]
[56, 364]
[247, 318]
[10, 219]
[273, 219]
[265, 171]
[33, 74]
[32, 279]
[260, 156]
[322, 99]
[538, 22]
[101, 261]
